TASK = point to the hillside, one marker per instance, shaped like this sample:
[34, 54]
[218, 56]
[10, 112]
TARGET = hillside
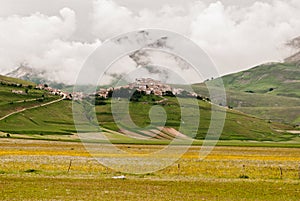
[293, 59]
[16, 95]
[16, 81]
[57, 120]
[36, 118]
[282, 79]
[269, 91]
[294, 44]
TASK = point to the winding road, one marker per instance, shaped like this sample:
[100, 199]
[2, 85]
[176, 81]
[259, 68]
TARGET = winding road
[29, 108]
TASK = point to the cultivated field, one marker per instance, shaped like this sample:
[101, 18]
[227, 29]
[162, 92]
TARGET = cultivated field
[44, 170]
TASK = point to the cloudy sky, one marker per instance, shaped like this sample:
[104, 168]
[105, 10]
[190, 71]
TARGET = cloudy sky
[59, 37]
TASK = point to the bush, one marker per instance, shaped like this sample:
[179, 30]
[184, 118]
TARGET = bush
[244, 176]
[31, 171]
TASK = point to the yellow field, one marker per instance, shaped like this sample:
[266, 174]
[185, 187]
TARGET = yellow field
[16, 156]
[248, 173]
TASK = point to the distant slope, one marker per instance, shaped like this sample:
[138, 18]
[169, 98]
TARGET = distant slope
[281, 79]
[293, 59]
[10, 80]
[35, 76]
[294, 44]
[270, 91]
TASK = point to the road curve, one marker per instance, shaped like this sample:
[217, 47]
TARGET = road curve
[29, 108]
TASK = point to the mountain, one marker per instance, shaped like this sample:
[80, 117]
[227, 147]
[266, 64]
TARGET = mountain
[27, 73]
[33, 75]
[282, 79]
[293, 59]
[295, 44]
[270, 91]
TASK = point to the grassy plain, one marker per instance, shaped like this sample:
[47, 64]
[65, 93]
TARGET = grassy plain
[38, 170]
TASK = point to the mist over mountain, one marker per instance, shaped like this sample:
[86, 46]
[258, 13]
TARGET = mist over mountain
[229, 33]
[295, 44]
[27, 73]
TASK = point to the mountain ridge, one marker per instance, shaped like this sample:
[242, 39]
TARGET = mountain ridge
[281, 79]
[24, 72]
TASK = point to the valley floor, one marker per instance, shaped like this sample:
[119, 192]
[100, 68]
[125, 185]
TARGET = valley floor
[45, 170]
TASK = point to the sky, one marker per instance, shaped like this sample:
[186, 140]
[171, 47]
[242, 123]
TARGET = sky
[58, 37]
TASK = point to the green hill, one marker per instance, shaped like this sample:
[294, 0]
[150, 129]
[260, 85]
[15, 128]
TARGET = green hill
[282, 79]
[269, 91]
[16, 94]
[13, 81]
[57, 119]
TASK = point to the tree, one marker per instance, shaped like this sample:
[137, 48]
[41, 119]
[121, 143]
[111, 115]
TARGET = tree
[169, 93]
[137, 95]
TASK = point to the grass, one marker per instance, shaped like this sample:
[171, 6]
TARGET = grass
[59, 122]
[10, 80]
[143, 189]
[266, 106]
[38, 170]
[277, 79]
[284, 81]
[238, 126]
[11, 102]
[279, 114]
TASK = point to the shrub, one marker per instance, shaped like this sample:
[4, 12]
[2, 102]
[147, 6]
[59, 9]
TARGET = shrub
[244, 176]
[30, 171]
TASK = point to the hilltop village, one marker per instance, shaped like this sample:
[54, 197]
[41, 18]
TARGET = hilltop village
[146, 86]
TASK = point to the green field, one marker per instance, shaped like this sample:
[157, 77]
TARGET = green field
[238, 126]
[39, 188]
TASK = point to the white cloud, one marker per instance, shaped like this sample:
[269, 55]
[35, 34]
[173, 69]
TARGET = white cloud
[64, 59]
[43, 42]
[110, 19]
[241, 37]
[235, 37]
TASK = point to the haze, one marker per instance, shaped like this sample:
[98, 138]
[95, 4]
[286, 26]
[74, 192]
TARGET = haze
[59, 37]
